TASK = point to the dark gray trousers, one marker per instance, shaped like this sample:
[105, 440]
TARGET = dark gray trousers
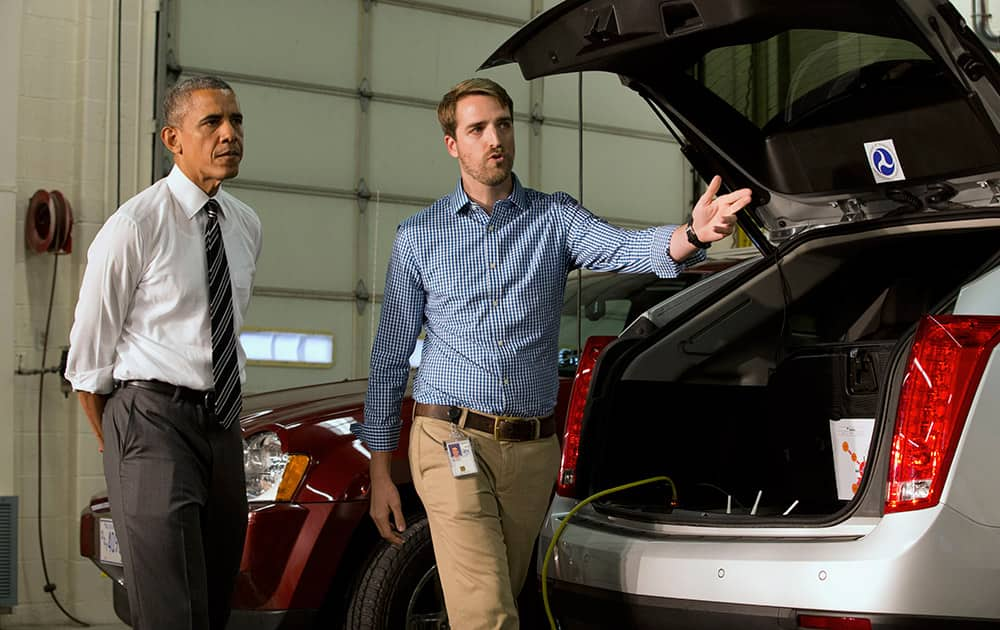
[178, 501]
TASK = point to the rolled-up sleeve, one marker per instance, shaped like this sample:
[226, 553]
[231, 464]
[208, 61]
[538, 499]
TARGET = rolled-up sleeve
[398, 328]
[114, 265]
[593, 243]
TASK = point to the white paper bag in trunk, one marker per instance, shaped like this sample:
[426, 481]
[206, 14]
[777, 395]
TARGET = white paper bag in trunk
[850, 438]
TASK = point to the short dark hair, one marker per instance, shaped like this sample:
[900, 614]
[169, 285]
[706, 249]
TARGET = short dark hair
[177, 96]
[446, 108]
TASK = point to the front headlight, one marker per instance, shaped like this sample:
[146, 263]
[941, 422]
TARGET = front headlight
[271, 474]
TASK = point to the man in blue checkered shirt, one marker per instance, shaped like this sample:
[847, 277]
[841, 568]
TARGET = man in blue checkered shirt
[483, 272]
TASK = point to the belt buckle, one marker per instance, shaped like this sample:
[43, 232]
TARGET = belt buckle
[496, 427]
[515, 419]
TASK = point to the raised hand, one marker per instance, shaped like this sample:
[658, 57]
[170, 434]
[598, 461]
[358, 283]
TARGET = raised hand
[713, 218]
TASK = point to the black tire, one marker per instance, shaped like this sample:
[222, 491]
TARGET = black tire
[399, 587]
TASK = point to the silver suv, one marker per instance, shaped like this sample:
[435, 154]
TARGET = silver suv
[827, 414]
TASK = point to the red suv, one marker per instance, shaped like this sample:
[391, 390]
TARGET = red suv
[313, 557]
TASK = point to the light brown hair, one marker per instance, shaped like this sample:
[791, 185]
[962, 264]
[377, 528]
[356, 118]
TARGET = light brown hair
[446, 108]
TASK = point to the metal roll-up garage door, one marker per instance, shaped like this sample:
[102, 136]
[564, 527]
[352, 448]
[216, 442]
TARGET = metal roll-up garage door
[342, 141]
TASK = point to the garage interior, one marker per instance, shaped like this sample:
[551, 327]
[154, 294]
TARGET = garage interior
[339, 99]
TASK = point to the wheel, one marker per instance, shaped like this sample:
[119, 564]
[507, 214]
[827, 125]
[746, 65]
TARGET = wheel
[399, 587]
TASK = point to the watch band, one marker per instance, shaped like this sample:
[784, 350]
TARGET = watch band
[693, 238]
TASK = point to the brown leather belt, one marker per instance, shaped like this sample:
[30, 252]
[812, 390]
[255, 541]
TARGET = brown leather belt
[502, 428]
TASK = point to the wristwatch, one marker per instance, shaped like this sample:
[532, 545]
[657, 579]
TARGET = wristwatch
[693, 238]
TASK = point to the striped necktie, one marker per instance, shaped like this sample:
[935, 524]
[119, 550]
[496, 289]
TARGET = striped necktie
[225, 365]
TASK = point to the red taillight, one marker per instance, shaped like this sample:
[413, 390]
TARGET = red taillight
[87, 535]
[834, 623]
[946, 364]
[566, 483]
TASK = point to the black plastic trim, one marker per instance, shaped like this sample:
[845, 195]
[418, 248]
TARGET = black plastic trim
[271, 619]
[581, 607]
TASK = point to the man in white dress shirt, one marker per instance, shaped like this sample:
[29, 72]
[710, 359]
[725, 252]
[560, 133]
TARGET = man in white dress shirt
[147, 351]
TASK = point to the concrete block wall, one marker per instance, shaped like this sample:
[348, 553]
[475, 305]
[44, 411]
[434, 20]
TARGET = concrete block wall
[63, 123]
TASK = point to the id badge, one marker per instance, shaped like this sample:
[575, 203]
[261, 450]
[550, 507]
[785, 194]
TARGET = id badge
[461, 457]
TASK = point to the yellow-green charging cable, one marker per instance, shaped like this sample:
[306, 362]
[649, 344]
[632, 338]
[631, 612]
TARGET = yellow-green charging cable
[565, 520]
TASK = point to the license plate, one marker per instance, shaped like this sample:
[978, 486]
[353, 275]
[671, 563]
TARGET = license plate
[109, 550]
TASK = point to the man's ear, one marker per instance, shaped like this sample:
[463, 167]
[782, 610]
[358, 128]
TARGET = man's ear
[171, 139]
[452, 145]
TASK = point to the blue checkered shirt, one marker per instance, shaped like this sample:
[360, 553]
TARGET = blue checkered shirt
[488, 291]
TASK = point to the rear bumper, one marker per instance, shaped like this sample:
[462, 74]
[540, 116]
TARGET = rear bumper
[926, 564]
[585, 608]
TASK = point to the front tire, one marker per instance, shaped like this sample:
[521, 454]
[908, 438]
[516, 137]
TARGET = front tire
[399, 587]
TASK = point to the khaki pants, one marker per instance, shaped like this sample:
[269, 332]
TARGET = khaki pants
[483, 526]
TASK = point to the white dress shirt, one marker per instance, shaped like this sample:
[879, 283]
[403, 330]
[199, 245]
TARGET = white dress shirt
[143, 309]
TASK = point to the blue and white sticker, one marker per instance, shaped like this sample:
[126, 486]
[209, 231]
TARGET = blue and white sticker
[884, 162]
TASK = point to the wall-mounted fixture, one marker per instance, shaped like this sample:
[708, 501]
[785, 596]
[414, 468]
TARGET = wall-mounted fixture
[48, 228]
[49, 224]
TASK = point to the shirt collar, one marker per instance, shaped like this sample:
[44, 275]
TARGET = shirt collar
[187, 193]
[458, 200]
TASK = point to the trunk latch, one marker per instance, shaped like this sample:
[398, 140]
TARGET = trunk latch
[861, 375]
[852, 209]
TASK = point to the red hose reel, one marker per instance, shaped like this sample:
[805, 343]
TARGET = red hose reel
[49, 224]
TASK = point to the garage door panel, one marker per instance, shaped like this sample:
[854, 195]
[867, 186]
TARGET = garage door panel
[624, 178]
[308, 240]
[298, 137]
[424, 54]
[408, 155]
[294, 314]
[515, 9]
[605, 101]
[317, 143]
[315, 41]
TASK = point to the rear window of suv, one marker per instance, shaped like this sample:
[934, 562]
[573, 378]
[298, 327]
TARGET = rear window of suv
[795, 107]
[801, 75]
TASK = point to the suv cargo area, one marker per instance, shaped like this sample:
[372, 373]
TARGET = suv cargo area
[735, 404]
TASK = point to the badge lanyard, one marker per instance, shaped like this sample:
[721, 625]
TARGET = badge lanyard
[462, 458]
